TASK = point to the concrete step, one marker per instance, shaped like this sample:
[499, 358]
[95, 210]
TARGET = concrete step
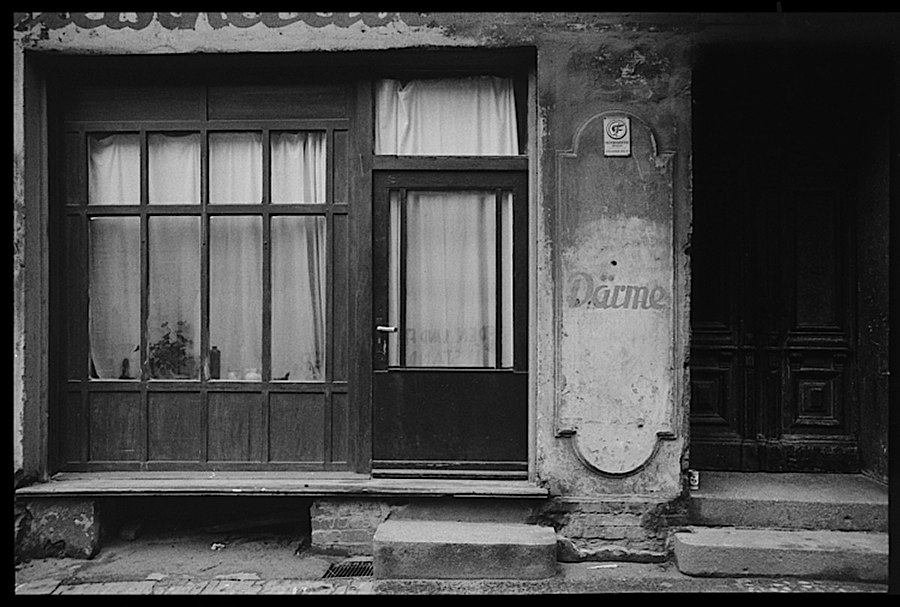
[447, 549]
[847, 502]
[813, 554]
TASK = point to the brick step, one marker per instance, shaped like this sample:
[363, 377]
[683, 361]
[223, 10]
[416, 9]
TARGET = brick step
[814, 554]
[446, 549]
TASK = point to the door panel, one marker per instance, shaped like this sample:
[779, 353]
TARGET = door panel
[772, 274]
[450, 381]
[446, 416]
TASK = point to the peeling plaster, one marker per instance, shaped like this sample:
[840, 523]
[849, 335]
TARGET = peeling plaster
[134, 33]
[18, 260]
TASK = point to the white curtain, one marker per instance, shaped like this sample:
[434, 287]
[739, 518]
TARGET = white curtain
[450, 237]
[235, 168]
[298, 298]
[235, 295]
[173, 167]
[450, 280]
[453, 116]
[115, 297]
[298, 167]
[114, 169]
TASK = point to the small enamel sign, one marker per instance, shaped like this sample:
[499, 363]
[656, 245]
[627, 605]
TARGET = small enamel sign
[617, 136]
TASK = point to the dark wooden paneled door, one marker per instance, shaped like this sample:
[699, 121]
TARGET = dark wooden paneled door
[450, 376]
[772, 352]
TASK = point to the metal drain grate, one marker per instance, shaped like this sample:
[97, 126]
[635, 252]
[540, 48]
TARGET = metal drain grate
[351, 568]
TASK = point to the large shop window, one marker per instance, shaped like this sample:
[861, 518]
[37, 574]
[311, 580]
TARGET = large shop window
[203, 277]
[295, 300]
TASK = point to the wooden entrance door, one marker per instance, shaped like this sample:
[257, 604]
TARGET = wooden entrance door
[450, 382]
[773, 322]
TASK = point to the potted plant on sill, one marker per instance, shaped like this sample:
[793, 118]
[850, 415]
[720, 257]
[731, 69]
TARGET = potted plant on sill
[169, 356]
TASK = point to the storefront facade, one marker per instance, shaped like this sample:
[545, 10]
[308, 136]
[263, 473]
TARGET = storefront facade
[526, 253]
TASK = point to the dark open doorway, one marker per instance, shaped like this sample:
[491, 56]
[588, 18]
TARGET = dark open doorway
[790, 260]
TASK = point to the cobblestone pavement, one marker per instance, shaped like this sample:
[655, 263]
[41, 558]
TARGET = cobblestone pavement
[267, 565]
[565, 583]
[205, 587]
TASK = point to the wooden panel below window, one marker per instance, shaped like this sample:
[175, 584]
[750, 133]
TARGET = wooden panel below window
[339, 428]
[116, 426]
[175, 428]
[450, 415]
[73, 447]
[296, 428]
[235, 427]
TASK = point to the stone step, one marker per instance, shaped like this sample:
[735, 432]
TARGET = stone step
[844, 502]
[445, 549]
[813, 554]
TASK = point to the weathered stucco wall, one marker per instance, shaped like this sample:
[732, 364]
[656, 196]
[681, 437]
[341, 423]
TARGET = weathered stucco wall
[18, 258]
[617, 423]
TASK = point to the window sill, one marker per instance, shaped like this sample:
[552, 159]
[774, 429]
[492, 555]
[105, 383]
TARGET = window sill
[297, 484]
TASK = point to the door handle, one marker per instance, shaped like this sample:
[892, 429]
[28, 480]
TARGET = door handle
[385, 329]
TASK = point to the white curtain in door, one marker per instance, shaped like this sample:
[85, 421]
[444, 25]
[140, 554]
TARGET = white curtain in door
[452, 116]
[450, 237]
[450, 280]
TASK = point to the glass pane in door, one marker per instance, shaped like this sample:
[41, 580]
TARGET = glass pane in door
[443, 279]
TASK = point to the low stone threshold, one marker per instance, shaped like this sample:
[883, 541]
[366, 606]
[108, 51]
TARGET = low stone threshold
[297, 484]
